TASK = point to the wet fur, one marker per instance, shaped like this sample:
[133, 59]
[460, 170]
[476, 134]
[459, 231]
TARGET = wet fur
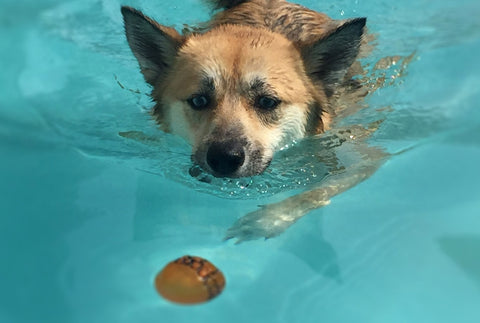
[250, 50]
[297, 23]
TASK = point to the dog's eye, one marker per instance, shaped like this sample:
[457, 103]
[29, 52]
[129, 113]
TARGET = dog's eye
[199, 102]
[267, 103]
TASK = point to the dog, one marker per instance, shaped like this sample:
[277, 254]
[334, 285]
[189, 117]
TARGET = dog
[259, 75]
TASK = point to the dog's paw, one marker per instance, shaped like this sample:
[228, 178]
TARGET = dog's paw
[272, 219]
[266, 222]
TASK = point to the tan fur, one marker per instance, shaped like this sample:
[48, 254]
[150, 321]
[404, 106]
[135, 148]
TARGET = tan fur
[256, 38]
[232, 60]
[259, 75]
[297, 23]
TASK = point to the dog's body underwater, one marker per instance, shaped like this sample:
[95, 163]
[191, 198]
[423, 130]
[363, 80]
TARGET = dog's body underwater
[260, 74]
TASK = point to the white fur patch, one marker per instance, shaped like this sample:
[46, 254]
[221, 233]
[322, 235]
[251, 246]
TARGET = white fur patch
[178, 122]
[293, 125]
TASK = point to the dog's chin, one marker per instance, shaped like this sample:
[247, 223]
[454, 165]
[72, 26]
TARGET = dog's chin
[202, 171]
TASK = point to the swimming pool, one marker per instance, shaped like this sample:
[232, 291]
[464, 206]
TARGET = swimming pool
[88, 218]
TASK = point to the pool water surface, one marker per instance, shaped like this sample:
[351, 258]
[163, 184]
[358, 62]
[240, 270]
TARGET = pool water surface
[88, 217]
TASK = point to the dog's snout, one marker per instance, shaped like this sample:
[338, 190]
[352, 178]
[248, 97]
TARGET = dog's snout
[225, 158]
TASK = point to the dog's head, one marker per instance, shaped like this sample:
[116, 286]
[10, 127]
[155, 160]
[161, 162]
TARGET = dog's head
[238, 93]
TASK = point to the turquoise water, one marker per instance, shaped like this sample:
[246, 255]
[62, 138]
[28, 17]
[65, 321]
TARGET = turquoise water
[88, 218]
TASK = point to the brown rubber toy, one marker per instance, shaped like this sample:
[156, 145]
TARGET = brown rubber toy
[189, 280]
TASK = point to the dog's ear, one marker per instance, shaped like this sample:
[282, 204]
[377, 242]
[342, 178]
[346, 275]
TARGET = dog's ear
[155, 46]
[328, 59]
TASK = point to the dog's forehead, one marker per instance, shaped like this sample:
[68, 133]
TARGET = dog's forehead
[240, 49]
[235, 55]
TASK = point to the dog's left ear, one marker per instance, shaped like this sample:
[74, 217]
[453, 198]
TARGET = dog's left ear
[328, 59]
[155, 46]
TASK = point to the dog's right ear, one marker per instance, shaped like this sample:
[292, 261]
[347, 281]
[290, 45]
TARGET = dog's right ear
[328, 59]
[155, 46]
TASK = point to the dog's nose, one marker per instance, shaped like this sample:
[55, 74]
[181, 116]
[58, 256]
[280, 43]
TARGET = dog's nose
[225, 158]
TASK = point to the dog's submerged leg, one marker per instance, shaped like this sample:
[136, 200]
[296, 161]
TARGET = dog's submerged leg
[272, 219]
